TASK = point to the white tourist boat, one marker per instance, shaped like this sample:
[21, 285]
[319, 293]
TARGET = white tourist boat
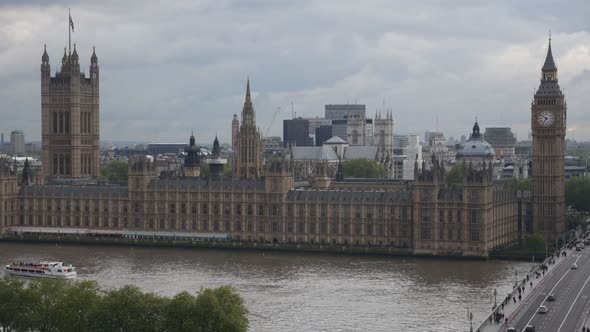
[42, 269]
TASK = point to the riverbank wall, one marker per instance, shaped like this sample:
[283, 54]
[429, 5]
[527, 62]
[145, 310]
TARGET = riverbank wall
[242, 245]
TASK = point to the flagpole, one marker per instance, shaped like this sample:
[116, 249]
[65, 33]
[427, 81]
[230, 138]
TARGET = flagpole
[69, 33]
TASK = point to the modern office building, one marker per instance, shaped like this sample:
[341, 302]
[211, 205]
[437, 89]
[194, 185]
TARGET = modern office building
[342, 111]
[17, 142]
[322, 134]
[296, 132]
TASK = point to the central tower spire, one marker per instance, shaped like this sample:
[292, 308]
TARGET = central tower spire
[248, 160]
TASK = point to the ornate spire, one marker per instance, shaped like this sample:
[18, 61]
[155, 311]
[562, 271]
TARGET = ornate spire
[549, 65]
[248, 87]
[248, 110]
[93, 58]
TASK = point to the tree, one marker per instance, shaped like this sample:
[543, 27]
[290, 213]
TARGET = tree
[577, 193]
[12, 304]
[455, 176]
[221, 309]
[363, 168]
[535, 243]
[182, 313]
[115, 171]
[129, 309]
[49, 305]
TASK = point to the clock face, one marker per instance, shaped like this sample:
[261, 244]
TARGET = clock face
[545, 119]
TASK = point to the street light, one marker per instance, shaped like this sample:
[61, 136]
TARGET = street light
[495, 303]
[470, 317]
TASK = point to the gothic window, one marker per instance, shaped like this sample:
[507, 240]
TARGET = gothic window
[67, 122]
[335, 228]
[260, 209]
[61, 122]
[474, 226]
[355, 137]
[276, 210]
[54, 126]
[425, 219]
[382, 138]
[250, 210]
[335, 211]
[301, 227]
[323, 228]
[311, 227]
[369, 212]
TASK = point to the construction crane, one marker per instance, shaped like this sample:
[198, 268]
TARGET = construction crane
[272, 120]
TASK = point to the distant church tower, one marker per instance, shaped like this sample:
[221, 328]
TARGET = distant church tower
[548, 122]
[70, 118]
[248, 162]
[383, 132]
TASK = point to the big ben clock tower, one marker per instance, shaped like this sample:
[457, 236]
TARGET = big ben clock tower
[548, 124]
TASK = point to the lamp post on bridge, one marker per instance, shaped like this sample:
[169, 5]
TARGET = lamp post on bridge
[495, 302]
[515, 279]
[470, 317]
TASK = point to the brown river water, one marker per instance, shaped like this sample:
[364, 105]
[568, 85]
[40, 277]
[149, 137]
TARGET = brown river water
[302, 292]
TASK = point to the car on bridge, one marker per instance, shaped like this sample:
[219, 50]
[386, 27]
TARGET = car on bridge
[574, 266]
[543, 309]
[529, 328]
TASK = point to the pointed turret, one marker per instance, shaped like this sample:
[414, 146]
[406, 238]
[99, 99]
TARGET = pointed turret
[93, 58]
[192, 140]
[75, 54]
[216, 152]
[64, 59]
[45, 57]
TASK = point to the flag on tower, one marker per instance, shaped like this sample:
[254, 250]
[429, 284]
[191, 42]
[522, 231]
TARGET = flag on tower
[71, 22]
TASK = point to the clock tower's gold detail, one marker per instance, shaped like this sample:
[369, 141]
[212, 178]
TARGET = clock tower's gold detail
[548, 124]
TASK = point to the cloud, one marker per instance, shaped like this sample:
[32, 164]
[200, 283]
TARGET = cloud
[169, 69]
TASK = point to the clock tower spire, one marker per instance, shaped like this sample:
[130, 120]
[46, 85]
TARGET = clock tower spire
[548, 124]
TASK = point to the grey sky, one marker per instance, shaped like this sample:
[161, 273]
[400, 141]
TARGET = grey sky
[169, 67]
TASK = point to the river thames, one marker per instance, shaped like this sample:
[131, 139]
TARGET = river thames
[302, 292]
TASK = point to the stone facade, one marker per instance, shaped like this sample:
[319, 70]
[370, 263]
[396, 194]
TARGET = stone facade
[426, 217]
[70, 118]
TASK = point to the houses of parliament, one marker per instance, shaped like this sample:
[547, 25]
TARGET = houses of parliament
[262, 202]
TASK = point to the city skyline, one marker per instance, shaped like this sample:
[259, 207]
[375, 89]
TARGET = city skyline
[165, 73]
